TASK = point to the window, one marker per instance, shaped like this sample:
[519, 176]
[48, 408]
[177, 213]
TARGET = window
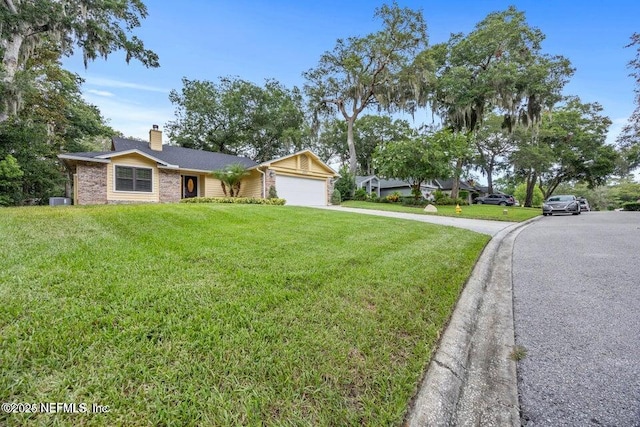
[133, 179]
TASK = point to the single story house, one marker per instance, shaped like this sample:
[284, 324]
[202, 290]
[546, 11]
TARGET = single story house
[138, 171]
[370, 183]
[389, 186]
[445, 185]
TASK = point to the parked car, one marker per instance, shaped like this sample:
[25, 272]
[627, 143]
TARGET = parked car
[584, 205]
[561, 204]
[496, 199]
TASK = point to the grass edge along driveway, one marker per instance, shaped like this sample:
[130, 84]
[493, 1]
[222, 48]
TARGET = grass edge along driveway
[490, 212]
[184, 314]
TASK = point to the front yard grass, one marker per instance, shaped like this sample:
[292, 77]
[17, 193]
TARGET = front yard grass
[222, 314]
[492, 212]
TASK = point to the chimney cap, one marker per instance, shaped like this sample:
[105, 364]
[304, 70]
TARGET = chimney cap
[154, 127]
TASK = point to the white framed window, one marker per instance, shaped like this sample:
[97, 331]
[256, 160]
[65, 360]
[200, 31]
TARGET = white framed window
[129, 178]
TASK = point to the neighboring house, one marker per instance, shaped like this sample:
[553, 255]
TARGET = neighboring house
[445, 185]
[389, 186]
[370, 183]
[138, 171]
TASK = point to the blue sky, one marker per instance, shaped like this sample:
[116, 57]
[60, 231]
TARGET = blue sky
[255, 40]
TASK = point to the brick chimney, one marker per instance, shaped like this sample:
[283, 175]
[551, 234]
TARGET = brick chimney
[155, 138]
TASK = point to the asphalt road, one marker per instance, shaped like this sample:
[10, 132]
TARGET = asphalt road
[576, 294]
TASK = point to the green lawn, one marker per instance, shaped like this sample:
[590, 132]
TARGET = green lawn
[186, 314]
[516, 214]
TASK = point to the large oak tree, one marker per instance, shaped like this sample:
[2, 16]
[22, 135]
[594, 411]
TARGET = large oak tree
[361, 72]
[97, 28]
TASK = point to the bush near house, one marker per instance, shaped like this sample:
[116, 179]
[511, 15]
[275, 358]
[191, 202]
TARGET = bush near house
[631, 206]
[235, 200]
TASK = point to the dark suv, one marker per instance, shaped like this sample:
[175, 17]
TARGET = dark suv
[496, 199]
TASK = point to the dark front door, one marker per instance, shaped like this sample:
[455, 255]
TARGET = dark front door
[189, 186]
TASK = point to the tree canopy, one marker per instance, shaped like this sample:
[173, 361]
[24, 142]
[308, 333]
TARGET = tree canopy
[96, 28]
[364, 71]
[237, 117]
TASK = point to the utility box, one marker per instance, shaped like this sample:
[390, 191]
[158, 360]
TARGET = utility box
[59, 201]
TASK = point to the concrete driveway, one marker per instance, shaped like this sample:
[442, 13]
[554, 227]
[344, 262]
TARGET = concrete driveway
[481, 226]
[576, 287]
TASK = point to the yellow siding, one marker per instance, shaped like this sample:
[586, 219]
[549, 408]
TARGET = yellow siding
[212, 187]
[132, 196]
[252, 185]
[315, 166]
[289, 163]
[291, 166]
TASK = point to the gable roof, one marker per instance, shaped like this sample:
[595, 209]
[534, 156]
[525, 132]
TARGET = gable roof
[184, 158]
[363, 179]
[308, 152]
[447, 184]
[394, 183]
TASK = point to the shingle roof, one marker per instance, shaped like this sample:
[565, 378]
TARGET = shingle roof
[392, 183]
[447, 184]
[361, 179]
[185, 158]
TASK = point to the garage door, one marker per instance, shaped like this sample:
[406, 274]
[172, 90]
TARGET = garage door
[301, 191]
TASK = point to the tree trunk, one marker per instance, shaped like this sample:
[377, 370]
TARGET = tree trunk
[455, 186]
[353, 161]
[531, 183]
[490, 178]
[10, 64]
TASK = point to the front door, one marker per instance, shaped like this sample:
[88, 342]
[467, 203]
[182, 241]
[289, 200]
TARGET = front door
[189, 186]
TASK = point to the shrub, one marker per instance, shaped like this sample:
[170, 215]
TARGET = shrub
[463, 194]
[346, 184]
[336, 198]
[631, 206]
[438, 194]
[360, 194]
[412, 201]
[273, 194]
[235, 200]
[448, 201]
[393, 197]
[373, 197]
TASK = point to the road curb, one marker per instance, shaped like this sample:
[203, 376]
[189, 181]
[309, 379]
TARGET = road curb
[471, 380]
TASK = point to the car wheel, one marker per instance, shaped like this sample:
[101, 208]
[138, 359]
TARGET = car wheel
[544, 214]
[479, 202]
[503, 203]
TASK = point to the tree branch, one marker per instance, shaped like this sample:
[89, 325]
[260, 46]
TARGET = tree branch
[11, 6]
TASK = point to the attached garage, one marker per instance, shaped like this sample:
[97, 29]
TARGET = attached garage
[300, 191]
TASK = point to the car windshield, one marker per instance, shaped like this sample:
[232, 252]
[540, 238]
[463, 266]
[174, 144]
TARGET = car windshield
[560, 199]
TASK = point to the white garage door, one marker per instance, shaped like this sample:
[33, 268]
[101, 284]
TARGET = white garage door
[301, 191]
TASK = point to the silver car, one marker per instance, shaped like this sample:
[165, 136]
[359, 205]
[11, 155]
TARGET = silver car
[561, 204]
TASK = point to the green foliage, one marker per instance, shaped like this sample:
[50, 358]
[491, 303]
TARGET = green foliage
[631, 206]
[360, 194]
[346, 184]
[360, 71]
[237, 117]
[28, 143]
[10, 174]
[520, 194]
[273, 194]
[336, 198]
[463, 195]
[373, 197]
[448, 201]
[393, 197]
[415, 160]
[231, 178]
[236, 200]
[96, 28]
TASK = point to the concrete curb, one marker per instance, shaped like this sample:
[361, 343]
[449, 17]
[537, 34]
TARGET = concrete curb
[471, 380]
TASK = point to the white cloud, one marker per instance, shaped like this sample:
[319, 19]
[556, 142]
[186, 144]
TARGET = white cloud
[104, 82]
[100, 92]
[615, 129]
